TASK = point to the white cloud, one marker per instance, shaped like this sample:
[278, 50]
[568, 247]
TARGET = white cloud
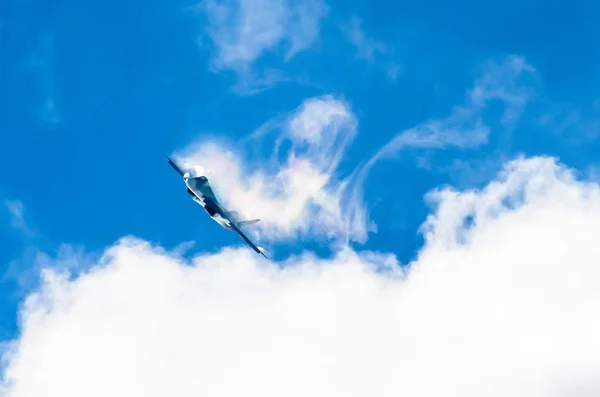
[464, 127]
[504, 306]
[41, 64]
[245, 30]
[24, 269]
[368, 48]
[48, 113]
[17, 216]
[305, 194]
[297, 192]
[505, 82]
[577, 124]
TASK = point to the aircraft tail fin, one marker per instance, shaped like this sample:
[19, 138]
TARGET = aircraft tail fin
[248, 222]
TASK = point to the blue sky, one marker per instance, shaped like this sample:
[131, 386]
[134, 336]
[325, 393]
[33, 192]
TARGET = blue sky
[93, 95]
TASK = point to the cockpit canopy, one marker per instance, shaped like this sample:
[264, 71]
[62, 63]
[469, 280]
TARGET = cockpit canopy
[201, 181]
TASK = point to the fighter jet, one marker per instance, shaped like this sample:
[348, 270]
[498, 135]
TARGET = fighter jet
[201, 192]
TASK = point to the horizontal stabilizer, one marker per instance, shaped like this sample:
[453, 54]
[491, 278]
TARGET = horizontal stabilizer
[245, 223]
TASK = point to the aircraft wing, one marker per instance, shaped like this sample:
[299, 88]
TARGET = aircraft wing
[175, 167]
[246, 239]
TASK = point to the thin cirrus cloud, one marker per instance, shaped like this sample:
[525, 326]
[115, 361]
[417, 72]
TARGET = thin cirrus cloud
[41, 64]
[16, 211]
[501, 300]
[574, 123]
[370, 49]
[296, 192]
[503, 81]
[366, 47]
[302, 191]
[464, 128]
[243, 31]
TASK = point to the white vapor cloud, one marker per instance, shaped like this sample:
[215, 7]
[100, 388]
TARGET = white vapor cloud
[245, 30]
[504, 81]
[24, 269]
[299, 191]
[41, 64]
[578, 125]
[502, 300]
[302, 192]
[369, 49]
[16, 210]
[366, 47]
[464, 127]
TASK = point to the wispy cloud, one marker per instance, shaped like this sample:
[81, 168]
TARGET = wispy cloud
[576, 124]
[17, 217]
[302, 191]
[243, 31]
[41, 63]
[504, 81]
[366, 47]
[506, 286]
[369, 49]
[24, 269]
[296, 192]
[464, 127]
[49, 112]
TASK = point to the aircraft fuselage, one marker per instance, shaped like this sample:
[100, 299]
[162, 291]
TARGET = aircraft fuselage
[200, 191]
[202, 194]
